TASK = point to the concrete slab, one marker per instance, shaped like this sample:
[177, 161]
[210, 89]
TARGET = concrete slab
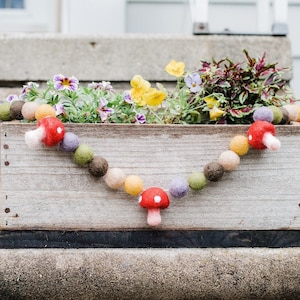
[257, 273]
[25, 57]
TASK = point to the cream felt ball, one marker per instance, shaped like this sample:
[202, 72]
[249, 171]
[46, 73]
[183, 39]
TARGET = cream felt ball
[98, 166]
[179, 187]
[28, 110]
[239, 144]
[285, 115]
[44, 110]
[292, 110]
[229, 160]
[5, 111]
[197, 181]
[69, 143]
[133, 185]
[83, 154]
[115, 178]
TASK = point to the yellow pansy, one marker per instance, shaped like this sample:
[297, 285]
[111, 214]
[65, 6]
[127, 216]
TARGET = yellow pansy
[215, 113]
[139, 87]
[211, 101]
[154, 97]
[175, 68]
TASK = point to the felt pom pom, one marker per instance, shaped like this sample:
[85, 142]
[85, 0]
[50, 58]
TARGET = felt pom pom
[54, 130]
[133, 185]
[179, 187]
[114, 178]
[28, 110]
[5, 111]
[261, 136]
[16, 109]
[69, 143]
[83, 154]
[197, 181]
[277, 114]
[285, 116]
[213, 171]
[44, 110]
[263, 113]
[292, 110]
[98, 166]
[239, 144]
[229, 160]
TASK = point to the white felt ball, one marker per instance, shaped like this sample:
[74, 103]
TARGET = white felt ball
[115, 178]
[229, 160]
[292, 110]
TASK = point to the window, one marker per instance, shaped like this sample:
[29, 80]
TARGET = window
[12, 4]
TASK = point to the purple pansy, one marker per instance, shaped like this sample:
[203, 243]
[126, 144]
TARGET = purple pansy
[104, 85]
[103, 110]
[59, 109]
[127, 97]
[140, 118]
[27, 88]
[193, 82]
[65, 83]
[11, 97]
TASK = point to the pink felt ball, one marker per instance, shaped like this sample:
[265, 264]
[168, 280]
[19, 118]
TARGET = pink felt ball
[28, 110]
[179, 187]
[115, 178]
[229, 160]
[69, 143]
[292, 110]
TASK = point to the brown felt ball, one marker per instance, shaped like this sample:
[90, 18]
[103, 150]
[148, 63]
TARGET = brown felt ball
[285, 116]
[98, 166]
[16, 109]
[213, 171]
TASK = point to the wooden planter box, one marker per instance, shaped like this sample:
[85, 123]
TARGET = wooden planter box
[44, 189]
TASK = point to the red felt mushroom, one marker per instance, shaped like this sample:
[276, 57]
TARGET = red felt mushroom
[261, 135]
[154, 199]
[50, 131]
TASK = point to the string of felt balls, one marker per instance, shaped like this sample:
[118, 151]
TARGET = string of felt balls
[51, 132]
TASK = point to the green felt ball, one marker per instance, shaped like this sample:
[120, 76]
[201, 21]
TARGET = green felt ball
[197, 181]
[277, 114]
[5, 111]
[83, 154]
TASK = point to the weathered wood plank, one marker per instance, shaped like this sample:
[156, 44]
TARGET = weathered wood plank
[44, 189]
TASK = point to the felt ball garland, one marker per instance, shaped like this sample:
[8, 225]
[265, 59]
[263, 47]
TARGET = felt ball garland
[51, 132]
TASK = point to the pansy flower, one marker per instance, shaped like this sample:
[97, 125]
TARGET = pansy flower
[27, 88]
[154, 97]
[140, 118]
[193, 82]
[65, 83]
[103, 110]
[175, 68]
[59, 109]
[12, 97]
[139, 87]
[127, 97]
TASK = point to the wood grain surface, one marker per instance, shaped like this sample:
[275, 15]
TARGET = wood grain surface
[44, 189]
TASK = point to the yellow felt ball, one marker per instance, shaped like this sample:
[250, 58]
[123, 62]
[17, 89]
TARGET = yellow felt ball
[239, 144]
[133, 185]
[44, 110]
[114, 178]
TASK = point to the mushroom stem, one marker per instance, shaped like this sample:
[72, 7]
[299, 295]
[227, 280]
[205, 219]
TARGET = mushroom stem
[34, 137]
[270, 141]
[153, 218]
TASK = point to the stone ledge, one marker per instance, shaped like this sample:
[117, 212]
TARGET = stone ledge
[25, 57]
[257, 273]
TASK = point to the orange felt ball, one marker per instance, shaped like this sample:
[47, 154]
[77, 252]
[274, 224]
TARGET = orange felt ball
[133, 185]
[44, 110]
[239, 144]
